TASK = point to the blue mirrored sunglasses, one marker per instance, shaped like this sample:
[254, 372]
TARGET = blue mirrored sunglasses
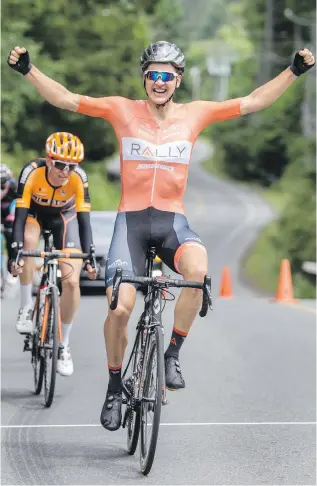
[165, 76]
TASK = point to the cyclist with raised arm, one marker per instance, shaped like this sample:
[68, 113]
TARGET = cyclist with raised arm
[53, 194]
[156, 138]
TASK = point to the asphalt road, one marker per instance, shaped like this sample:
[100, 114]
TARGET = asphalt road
[247, 414]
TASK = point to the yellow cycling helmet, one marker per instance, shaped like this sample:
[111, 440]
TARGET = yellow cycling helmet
[65, 146]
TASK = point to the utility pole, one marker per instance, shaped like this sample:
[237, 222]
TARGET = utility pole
[266, 48]
[268, 41]
[309, 105]
[196, 82]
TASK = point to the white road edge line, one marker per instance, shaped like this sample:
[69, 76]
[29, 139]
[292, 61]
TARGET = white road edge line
[171, 424]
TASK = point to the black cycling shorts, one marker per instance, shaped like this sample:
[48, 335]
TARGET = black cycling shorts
[135, 231]
[64, 227]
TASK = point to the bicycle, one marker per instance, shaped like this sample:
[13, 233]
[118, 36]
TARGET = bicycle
[45, 340]
[144, 389]
[6, 232]
[2, 261]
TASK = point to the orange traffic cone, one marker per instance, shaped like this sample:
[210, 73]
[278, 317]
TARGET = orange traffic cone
[226, 287]
[285, 286]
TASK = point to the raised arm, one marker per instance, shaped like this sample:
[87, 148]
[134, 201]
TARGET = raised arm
[268, 93]
[53, 92]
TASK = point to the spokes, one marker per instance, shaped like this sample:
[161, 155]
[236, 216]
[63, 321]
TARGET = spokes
[133, 407]
[149, 398]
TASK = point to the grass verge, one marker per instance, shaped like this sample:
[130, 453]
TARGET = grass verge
[104, 195]
[261, 265]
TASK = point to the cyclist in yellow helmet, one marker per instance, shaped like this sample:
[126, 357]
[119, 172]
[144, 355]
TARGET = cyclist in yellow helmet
[53, 194]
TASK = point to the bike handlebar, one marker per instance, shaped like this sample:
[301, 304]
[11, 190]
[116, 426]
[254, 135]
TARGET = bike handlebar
[164, 283]
[54, 254]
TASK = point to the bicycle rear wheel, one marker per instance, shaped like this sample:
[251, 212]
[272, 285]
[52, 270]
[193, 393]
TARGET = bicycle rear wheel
[37, 356]
[51, 346]
[133, 383]
[151, 402]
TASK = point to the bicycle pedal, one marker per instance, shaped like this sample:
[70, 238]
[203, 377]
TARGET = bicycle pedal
[27, 344]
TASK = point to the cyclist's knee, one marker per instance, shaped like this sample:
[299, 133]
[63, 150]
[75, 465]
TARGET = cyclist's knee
[71, 284]
[30, 241]
[126, 302]
[123, 311]
[193, 263]
[196, 272]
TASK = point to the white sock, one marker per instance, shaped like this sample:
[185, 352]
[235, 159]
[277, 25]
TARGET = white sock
[66, 328]
[26, 295]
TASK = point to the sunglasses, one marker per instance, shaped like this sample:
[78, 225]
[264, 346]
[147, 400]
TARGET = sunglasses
[165, 76]
[62, 165]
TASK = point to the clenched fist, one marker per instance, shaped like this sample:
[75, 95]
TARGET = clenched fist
[19, 60]
[303, 61]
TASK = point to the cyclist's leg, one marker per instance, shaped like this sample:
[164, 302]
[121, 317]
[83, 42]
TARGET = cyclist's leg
[127, 250]
[184, 252]
[8, 227]
[65, 232]
[10, 281]
[31, 240]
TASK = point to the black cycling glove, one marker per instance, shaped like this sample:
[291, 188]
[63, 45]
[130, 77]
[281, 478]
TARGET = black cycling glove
[298, 66]
[91, 260]
[23, 65]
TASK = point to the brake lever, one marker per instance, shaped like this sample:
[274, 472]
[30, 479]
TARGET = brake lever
[19, 254]
[207, 285]
[115, 288]
[206, 297]
[92, 261]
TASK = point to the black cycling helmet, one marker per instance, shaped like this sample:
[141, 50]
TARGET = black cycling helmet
[163, 52]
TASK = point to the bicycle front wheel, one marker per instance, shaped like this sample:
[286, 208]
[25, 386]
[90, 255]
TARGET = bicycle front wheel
[151, 402]
[37, 356]
[51, 345]
[133, 421]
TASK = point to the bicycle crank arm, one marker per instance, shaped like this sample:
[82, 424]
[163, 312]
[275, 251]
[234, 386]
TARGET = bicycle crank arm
[164, 399]
[148, 400]
[27, 343]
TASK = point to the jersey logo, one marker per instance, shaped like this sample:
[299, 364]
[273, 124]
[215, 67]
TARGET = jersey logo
[139, 149]
[25, 174]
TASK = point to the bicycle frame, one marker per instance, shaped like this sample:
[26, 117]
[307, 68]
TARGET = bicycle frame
[147, 322]
[48, 280]
[149, 342]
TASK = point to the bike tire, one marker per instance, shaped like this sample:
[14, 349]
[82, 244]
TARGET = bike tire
[155, 350]
[134, 418]
[3, 271]
[37, 356]
[51, 354]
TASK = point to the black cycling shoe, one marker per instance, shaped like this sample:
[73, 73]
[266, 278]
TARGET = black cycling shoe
[173, 375]
[111, 415]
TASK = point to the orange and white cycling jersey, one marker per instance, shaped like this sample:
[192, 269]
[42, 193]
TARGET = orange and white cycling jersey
[155, 155]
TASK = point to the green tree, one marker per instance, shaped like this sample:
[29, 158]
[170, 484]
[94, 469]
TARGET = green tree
[90, 47]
